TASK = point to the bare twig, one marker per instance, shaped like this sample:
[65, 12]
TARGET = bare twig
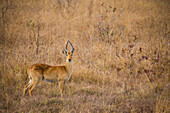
[148, 80]
[38, 39]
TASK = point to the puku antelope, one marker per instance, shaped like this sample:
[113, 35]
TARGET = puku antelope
[60, 73]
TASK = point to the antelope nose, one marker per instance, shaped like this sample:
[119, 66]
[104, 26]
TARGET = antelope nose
[69, 60]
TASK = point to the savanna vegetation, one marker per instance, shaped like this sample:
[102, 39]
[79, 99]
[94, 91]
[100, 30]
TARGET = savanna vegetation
[121, 57]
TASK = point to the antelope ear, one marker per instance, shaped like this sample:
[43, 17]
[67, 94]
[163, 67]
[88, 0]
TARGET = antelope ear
[72, 50]
[64, 52]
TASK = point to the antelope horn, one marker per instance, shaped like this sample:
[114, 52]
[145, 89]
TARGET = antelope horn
[71, 46]
[66, 46]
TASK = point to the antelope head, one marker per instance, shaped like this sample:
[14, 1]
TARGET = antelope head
[68, 54]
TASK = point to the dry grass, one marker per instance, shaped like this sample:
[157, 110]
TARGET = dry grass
[121, 59]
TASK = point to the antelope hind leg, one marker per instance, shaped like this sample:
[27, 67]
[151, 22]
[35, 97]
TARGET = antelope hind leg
[35, 83]
[27, 86]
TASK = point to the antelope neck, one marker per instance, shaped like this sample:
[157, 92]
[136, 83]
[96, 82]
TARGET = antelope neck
[69, 66]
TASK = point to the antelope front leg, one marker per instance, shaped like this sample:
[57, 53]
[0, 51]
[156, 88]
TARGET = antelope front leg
[61, 87]
[64, 84]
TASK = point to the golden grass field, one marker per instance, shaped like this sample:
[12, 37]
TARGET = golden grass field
[121, 58]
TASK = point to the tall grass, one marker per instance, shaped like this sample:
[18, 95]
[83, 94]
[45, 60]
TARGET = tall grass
[121, 61]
